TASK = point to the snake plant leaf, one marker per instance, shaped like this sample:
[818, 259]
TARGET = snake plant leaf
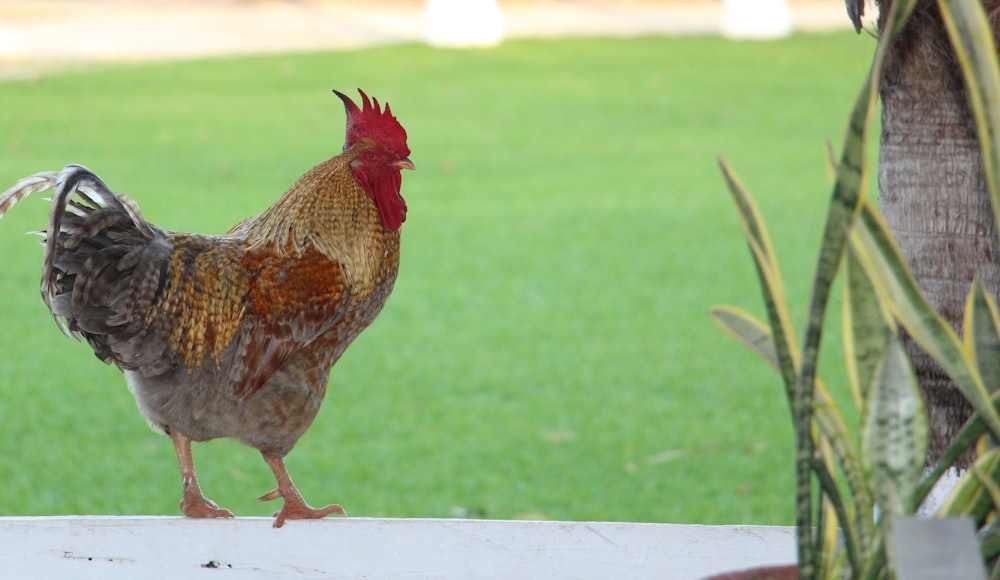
[747, 329]
[967, 497]
[866, 324]
[892, 279]
[989, 484]
[989, 542]
[831, 160]
[966, 438]
[848, 189]
[769, 276]
[782, 350]
[835, 525]
[976, 494]
[756, 235]
[848, 192]
[756, 336]
[972, 37]
[982, 336]
[894, 431]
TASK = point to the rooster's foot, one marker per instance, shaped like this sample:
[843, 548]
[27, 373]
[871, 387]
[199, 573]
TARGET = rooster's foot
[198, 506]
[295, 508]
[194, 504]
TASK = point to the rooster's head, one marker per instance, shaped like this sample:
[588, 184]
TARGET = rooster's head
[381, 152]
[374, 122]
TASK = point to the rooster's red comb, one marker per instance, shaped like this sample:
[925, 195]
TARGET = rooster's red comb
[373, 122]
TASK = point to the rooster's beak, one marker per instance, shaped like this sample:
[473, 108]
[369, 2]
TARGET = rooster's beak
[404, 163]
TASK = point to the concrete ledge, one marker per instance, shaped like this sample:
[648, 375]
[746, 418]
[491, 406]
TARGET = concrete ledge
[175, 547]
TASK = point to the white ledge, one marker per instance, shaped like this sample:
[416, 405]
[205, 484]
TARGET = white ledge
[176, 547]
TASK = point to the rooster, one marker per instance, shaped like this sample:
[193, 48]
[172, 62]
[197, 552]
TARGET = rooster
[234, 335]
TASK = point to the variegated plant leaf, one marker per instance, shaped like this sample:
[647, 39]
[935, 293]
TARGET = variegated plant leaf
[969, 493]
[891, 277]
[981, 335]
[835, 433]
[894, 431]
[848, 192]
[769, 276]
[866, 327]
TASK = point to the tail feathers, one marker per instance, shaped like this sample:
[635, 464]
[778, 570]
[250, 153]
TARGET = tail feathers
[78, 179]
[25, 187]
[94, 237]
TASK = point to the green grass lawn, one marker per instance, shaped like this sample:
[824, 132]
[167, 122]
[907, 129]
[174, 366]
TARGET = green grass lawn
[547, 351]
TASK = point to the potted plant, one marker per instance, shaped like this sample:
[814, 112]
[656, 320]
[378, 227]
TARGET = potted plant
[852, 486]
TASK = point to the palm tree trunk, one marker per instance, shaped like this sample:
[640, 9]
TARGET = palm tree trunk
[933, 194]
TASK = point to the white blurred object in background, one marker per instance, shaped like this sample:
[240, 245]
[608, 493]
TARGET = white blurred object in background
[758, 19]
[462, 23]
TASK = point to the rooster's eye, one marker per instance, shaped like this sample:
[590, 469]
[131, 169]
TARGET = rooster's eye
[371, 155]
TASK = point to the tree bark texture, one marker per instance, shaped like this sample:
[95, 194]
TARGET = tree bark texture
[933, 194]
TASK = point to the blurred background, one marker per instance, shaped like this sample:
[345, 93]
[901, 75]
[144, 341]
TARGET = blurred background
[547, 351]
[37, 33]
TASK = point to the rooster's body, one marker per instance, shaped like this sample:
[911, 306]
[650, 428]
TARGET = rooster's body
[235, 335]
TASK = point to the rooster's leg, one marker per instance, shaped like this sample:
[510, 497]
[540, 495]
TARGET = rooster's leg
[194, 504]
[295, 507]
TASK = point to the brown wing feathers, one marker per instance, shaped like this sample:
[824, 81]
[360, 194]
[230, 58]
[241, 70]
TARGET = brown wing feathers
[290, 303]
[148, 300]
